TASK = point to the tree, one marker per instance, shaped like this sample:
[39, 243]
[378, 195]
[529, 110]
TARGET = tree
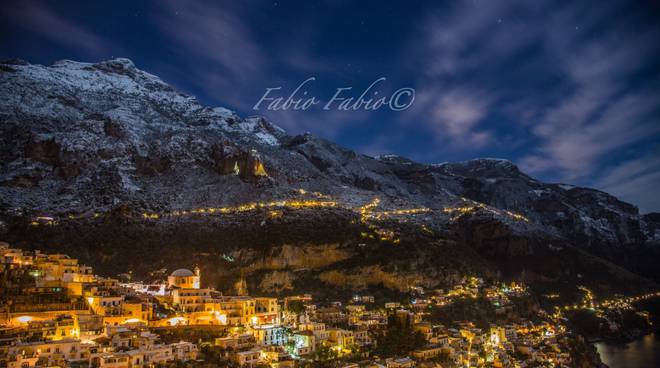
[399, 341]
[324, 353]
[296, 307]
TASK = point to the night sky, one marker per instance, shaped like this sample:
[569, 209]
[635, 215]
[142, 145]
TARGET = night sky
[568, 90]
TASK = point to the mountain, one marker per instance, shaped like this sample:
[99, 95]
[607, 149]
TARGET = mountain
[101, 157]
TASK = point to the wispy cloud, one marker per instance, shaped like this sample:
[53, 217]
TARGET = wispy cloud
[568, 90]
[602, 112]
[583, 88]
[44, 22]
[227, 59]
[470, 34]
[453, 115]
[233, 67]
[450, 45]
[578, 143]
[635, 180]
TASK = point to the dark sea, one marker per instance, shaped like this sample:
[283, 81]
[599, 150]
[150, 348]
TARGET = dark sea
[642, 353]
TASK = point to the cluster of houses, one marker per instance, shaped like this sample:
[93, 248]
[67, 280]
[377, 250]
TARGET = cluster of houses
[56, 312]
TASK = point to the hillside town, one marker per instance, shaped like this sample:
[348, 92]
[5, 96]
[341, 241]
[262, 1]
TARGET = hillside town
[55, 312]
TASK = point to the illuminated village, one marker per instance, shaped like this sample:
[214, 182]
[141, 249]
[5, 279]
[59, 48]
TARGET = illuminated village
[56, 312]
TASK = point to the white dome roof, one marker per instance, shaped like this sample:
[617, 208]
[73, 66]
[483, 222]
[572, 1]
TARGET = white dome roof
[182, 272]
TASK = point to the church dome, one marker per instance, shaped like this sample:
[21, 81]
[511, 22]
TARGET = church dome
[182, 272]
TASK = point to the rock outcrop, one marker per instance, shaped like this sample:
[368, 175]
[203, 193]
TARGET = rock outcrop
[86, 142]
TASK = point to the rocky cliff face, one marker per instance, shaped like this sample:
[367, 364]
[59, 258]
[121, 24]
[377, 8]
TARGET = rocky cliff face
[83, 142]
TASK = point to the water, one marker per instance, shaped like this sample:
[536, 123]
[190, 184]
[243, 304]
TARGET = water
[642, 353]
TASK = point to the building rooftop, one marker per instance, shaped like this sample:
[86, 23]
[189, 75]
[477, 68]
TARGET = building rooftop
[182, 272]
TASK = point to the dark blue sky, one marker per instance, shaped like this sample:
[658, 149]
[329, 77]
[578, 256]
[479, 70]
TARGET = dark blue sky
[568, 90]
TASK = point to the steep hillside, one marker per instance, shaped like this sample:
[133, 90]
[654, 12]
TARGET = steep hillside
[105, 156]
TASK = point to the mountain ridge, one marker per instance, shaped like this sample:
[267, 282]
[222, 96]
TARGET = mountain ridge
[83, 139]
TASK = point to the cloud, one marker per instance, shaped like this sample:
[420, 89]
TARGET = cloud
[234, 67]
[606, 112]
[578, 135]
[470, 34]
[641, 190]
[44, 22]
[227, 59]
[635, 180]
[451, 51]
[534, 164]
[458, 111]
[582, 85]
[602, 112]
[453, 115]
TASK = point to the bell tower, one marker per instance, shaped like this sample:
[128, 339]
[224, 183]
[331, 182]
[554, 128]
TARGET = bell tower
[197, 278]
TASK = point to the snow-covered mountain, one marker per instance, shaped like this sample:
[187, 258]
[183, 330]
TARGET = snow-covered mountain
[79, 139]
